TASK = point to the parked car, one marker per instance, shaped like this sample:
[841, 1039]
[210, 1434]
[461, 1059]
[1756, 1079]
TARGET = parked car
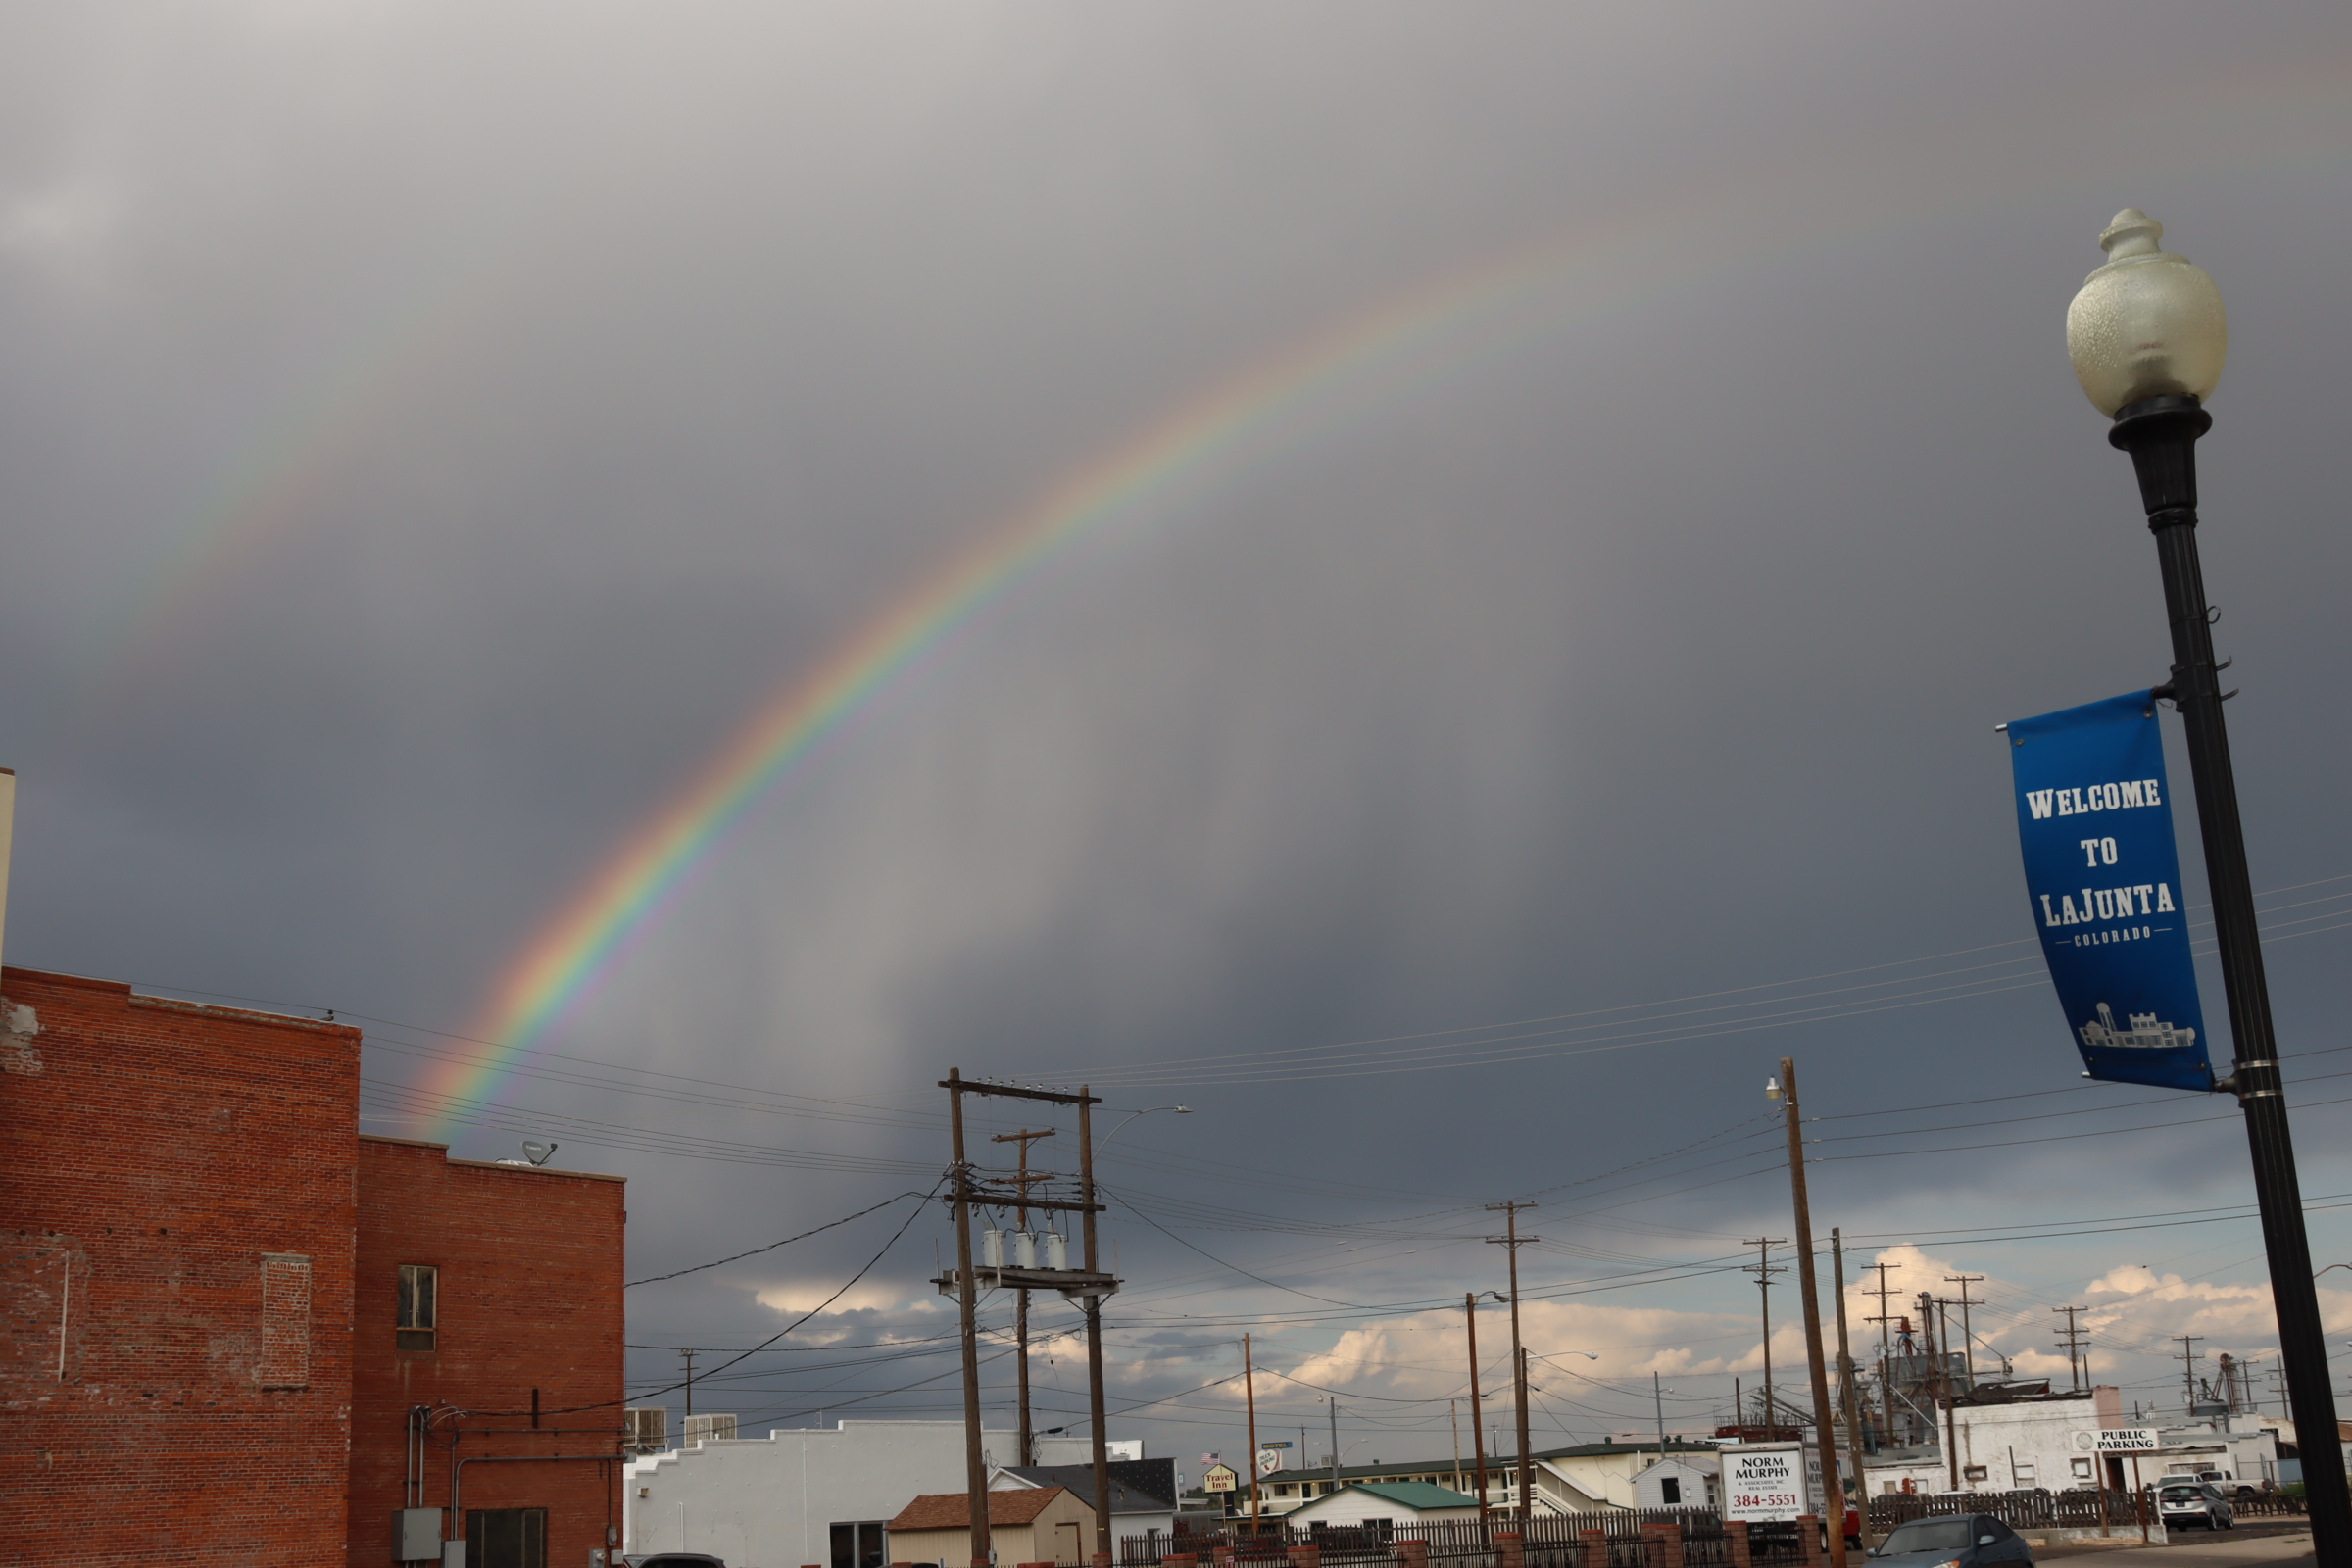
[673, 1559]
[2194, 1503]
[1953, 1541]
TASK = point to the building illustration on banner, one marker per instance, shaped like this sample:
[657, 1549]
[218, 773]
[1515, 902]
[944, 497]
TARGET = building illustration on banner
[2147, 1033]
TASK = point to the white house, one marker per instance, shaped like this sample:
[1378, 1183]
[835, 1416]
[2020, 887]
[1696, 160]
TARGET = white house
[817, 1494]
[1679, 1481]
[1593, 1475]
[1395, 1503]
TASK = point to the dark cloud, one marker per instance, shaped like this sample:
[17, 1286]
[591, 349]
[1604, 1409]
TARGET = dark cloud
[429, 432]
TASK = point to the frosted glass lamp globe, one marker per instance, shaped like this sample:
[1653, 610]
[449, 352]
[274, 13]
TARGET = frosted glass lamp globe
[2149, 323]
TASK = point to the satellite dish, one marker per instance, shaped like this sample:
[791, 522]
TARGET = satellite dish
[538, 1153]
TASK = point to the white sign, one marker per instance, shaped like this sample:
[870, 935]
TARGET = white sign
[2127, 1440]
[1762, 1485]
[1269, 1461]
[1220, 1477]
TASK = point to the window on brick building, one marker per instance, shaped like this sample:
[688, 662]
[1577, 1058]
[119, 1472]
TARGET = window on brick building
[420, 1306]
[505, 1537]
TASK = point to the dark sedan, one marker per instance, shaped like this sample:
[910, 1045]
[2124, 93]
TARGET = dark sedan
[1955, 1541]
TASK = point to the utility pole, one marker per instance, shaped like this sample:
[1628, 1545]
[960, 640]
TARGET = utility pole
[1511, 1241]
[1885, 1320]
[1087, 1286]
[967, 1298]
[1250, 1391]
[1333, 1400]
[1809, 1293]
[2077, 1359]
[1454, 1415]
[688, 1355]
[1764, 1268]
[2191, 1355]
[1968, 1334]
[1094, 1328]
[1845, 1384]
[1478, 1431]
[1940, 1375]
[1657, 1398]
[1020, 1299]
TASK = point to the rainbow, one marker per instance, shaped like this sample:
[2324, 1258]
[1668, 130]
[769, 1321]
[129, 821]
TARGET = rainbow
[1637, 254]
[406, 353]
[565, 958]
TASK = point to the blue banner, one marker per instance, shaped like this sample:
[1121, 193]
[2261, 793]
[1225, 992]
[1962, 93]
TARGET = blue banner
[2095, 816]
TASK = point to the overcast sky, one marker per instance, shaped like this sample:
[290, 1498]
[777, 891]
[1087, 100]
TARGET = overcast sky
[430, 433]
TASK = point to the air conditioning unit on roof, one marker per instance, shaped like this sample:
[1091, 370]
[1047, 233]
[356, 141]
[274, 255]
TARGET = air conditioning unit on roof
[645, 1429]
[700, 1427]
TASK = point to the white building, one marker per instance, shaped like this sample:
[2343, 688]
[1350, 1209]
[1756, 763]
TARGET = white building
[2030, 1442]
[2244, 1447]
[805, 1495]
[2044, 1441]
[2012, 1444]
[1593, 1475]
[1679, 1481]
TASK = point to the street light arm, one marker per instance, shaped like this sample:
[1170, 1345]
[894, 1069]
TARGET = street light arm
[1181, 1111]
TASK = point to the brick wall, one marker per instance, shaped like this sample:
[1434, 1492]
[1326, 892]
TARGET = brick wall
[529, 1297]
[177, 1217]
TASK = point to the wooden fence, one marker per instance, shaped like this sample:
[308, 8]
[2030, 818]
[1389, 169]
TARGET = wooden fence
[1548, 1540]
[2075, 1509]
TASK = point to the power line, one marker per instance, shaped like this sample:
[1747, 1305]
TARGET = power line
[656, 1279]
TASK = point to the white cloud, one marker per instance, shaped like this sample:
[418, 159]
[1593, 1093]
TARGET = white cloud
[797, 1296]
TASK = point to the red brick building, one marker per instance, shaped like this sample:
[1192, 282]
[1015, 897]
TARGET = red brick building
[201, 1345]
[518, 1271]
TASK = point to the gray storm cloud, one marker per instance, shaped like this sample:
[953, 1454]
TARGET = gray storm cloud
[430, 433]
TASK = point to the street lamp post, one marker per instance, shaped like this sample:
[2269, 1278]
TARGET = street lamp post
[2147, 336]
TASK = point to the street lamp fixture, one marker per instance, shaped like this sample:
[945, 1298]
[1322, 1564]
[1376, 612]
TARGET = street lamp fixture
[2148, 336]
[2147, 324]
[1181, 1111]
